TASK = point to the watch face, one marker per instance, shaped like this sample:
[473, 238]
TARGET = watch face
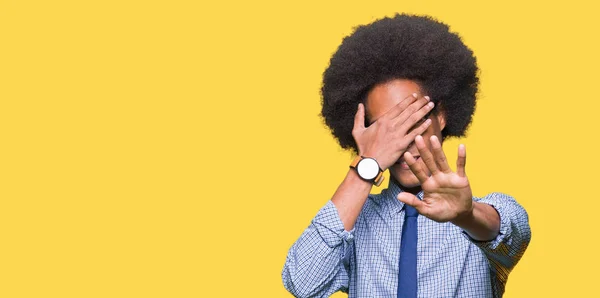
[367, 168]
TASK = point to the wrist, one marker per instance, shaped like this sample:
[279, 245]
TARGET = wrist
[367, 169]
[465, 218]
[482, 223]
[382, 165]
[353, 178]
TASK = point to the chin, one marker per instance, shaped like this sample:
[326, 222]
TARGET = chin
[405, 178]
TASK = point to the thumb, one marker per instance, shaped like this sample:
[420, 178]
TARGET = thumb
[359, 118]
[411, 200]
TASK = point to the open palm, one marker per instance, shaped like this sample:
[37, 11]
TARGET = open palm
[446, 194]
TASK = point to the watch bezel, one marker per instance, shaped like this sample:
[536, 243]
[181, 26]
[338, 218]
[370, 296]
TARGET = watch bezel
[369, 162]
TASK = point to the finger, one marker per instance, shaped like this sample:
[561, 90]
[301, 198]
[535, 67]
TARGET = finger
[401, 106]
[411, 200]
[412, 109]
[359, 118]
[426, 155]
[461, 161]
[418, 130]
[415, 167]
[407, 124]
[438, 154]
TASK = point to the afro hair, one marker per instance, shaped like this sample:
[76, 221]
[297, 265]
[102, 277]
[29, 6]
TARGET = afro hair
[417, 48]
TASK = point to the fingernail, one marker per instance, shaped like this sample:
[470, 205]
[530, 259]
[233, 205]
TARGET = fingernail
[431, 104]
[427, 97]
[415, 95]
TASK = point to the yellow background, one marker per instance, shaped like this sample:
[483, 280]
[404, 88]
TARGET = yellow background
[174, 148]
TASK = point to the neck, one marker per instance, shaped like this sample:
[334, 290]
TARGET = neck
[413, 190]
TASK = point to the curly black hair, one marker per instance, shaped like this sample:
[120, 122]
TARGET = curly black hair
[417, 48]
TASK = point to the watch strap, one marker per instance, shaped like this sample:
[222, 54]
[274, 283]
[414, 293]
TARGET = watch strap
[354, 162]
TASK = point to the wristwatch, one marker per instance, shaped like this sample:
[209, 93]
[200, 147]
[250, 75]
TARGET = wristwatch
[368, 169]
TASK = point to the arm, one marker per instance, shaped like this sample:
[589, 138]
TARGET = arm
[317, 265]
[318, 262]
[481, 224]
[447, 197]
[514, 234]
[350, 197]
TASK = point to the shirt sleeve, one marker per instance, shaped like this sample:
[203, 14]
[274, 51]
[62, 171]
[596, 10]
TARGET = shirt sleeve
[508, 247]
[317, 264]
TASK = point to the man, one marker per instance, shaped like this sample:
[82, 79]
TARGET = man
[394, 90]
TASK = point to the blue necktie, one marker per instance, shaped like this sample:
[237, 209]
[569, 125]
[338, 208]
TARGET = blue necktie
[407, 279]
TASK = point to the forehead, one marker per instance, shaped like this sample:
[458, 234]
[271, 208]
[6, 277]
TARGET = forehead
[386, 95]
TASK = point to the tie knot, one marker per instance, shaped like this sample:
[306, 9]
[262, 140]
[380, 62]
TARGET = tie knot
[410, 211]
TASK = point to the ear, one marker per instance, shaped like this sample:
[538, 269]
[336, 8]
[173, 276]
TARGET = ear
[441, 118]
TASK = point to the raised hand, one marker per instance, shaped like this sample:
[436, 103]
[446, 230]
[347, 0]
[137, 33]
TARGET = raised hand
[390, 135]
[447, 195]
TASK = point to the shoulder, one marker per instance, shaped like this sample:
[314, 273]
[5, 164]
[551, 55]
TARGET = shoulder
[375, 204]
[374, 201]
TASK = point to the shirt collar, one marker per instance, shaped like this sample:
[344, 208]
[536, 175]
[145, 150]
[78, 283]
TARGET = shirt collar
[390, 196]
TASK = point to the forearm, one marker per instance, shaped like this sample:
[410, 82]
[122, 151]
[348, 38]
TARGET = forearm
[481, 224]
[350, 197]
[509, 222]
[316, 265]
